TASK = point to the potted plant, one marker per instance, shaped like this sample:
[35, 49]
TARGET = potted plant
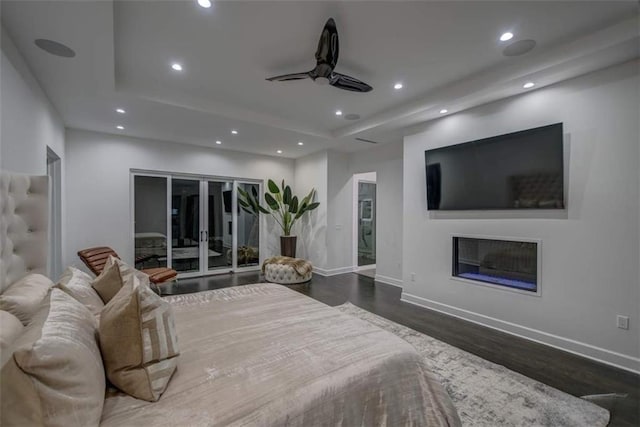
[285, 208]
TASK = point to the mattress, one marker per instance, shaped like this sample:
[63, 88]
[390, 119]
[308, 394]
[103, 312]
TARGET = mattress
[264, 355]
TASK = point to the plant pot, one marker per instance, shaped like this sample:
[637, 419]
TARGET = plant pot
[288, 246]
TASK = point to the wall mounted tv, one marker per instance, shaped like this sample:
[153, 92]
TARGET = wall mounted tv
[520, 170]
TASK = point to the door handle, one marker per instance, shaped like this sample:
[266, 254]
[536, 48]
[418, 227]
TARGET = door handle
[201, 236]
[206, 235]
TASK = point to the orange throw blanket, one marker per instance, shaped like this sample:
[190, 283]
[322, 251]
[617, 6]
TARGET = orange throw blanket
[301, 266]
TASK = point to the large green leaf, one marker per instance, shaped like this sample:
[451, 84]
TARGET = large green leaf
[254, 191]
[273, 204]
[273, 187]
[242, 192]
[243, 203]
[263, 210]
[301, 210]
[286, 198]
[293, 206]
[312, 206]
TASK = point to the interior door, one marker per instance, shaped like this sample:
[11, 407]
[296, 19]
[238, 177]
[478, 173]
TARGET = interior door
[366, 223]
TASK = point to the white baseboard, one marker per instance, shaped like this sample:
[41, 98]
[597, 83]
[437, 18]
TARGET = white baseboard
[388, 280]
[333, 271]
[618, 360]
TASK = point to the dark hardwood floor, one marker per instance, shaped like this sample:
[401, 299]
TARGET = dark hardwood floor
[567, 372]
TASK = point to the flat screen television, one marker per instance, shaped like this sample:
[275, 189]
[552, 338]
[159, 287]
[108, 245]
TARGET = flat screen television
[520, 170]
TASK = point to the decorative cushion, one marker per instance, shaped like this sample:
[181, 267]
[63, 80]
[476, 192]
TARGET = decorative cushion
[138, 340]
[126, 271]
[77, 283]
[55, 376]
[10, 328]
[23, 298]
[108, 283]
[287, 271]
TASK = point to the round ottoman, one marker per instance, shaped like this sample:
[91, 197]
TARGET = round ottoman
[287, 271]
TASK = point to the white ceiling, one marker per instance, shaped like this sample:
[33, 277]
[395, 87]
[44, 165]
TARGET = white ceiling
[445, 53]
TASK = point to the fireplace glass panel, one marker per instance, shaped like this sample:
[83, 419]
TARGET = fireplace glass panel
[499, 262]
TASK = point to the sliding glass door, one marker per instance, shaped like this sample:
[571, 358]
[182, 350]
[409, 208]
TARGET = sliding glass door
[193, 224]
[248, 232]
[219, 225]
[186, 231]
[150, 221]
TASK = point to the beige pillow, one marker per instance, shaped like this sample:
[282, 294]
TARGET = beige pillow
[77, 283]
[138, 341]
[126, 271]
[10, 328]
[23, 298]
[108, 283]
[55, 376]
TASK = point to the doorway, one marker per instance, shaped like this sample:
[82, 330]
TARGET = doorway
[364, 248]
[54, 172]
[193, 224]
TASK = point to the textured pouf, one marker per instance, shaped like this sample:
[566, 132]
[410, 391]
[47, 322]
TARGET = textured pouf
[287, 271]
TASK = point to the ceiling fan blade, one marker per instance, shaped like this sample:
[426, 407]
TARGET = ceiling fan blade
[348, 83]
[287, 77]
[328, 45]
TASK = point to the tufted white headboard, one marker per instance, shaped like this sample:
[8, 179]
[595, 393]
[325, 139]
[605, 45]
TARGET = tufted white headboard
[24, 236]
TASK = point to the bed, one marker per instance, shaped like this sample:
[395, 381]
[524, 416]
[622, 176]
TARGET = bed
[259, 355]
[266, 355]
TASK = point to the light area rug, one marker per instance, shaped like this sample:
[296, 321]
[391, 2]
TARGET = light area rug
[488, 394]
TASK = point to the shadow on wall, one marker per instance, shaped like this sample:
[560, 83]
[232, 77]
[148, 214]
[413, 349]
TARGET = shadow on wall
[312, 243]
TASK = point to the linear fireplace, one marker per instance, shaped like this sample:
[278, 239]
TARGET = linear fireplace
[506, 263]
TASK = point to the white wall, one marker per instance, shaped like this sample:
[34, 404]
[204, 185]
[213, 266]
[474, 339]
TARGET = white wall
[98, 184]
[311, 172]
[28, 125]
[589, 257]
[28, 121]
[386, 162]
[339, 213]
[326, 237]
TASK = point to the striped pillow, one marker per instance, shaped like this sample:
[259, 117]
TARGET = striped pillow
[138, 340]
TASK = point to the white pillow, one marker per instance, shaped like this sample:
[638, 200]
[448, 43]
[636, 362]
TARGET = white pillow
[55, 376]
[23, 298]
[10, 328]
[77, 283]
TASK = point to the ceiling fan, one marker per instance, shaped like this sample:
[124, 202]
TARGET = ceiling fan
[326, 60]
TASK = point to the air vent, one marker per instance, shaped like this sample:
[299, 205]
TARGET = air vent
[519, 48]
[367, 140]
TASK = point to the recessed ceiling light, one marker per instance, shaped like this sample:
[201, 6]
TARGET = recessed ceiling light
[528, 85]
[120, 127]
[204, 3]
[218, 142]
[120, 110]
[444, 111]
[176, 66]
[279, 151]
[300, 143]
[338, 113]
[506, 36]
[235, 132]
[397, 86]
